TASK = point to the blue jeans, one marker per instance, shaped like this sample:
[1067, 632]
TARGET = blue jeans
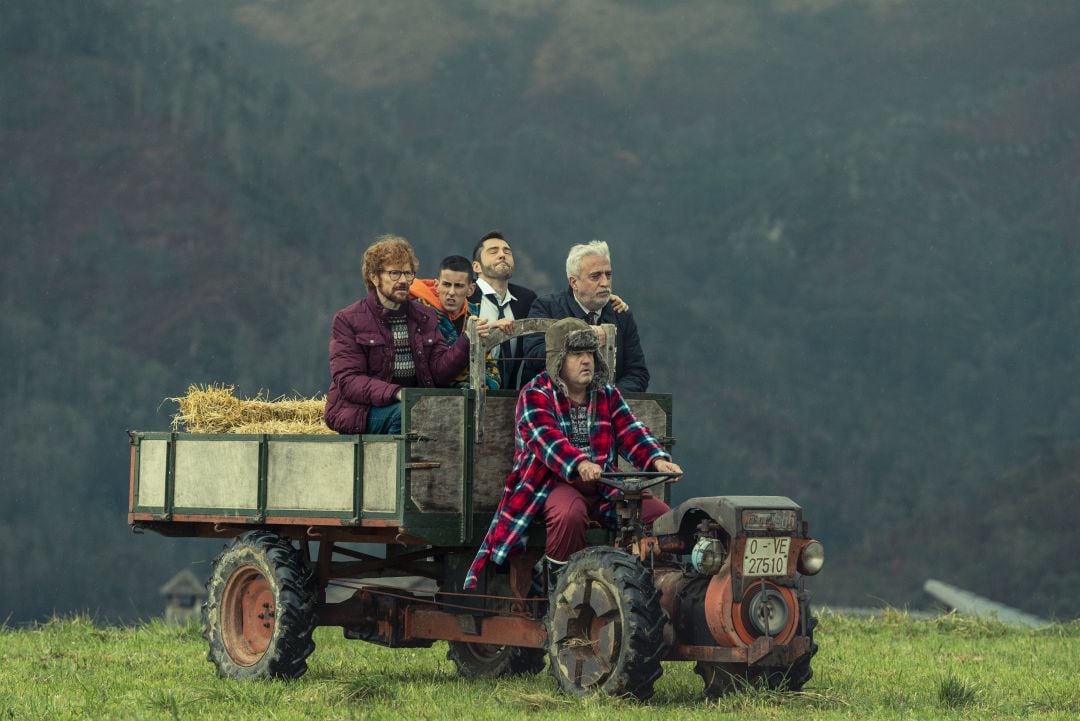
[384, 420]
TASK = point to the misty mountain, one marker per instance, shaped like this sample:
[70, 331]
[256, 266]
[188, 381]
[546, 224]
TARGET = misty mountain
[847, 231]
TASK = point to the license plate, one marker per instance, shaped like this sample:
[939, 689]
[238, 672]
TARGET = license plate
[766, 556]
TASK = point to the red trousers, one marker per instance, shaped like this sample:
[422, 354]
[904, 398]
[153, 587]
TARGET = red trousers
[567, 512]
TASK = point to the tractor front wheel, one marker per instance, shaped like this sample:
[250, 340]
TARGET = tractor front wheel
[260, 609]
[606, 626]
[484, 660]
[724, 678]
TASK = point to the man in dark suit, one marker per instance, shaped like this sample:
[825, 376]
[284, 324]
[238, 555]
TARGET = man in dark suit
[493, 263]
[589, 297]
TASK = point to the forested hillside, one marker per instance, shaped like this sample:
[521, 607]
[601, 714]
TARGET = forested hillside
[848, 231]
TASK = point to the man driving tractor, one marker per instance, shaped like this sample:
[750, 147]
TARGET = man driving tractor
[571, 423]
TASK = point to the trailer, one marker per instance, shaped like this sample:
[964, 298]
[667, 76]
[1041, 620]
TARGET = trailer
[374, 534]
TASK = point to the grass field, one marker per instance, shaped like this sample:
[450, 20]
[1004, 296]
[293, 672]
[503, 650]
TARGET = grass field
[890, 668]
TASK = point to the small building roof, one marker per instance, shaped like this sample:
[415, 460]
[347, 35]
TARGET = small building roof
[183, 583]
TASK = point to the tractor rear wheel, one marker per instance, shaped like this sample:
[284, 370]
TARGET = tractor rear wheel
[484, 660]
[260, 609]
[606, 626]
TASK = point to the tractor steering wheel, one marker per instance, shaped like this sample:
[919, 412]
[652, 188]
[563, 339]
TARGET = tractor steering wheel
[635, 481]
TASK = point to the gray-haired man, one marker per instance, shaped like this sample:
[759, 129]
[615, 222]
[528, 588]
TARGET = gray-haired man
[588, 297]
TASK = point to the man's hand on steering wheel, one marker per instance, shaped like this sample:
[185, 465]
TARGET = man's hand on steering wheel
[668, 467]
[589, 471]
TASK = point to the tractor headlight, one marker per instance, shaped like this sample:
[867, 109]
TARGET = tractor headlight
[707, 556]
[812, 558]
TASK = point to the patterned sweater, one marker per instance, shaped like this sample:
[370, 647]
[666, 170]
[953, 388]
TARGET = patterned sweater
[544, 456]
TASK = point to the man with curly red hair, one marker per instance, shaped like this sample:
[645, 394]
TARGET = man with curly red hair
[383, 343]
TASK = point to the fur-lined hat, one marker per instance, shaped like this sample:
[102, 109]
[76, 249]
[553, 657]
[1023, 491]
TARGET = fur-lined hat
[573, 334]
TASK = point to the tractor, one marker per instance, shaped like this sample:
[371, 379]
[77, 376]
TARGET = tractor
[374, 534]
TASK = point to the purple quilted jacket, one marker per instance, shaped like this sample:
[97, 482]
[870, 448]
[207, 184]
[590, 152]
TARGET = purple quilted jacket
[362, 355]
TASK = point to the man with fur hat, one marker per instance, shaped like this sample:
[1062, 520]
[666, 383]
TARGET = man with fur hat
[570, 423]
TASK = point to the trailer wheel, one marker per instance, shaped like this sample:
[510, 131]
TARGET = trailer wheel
[724, 678]
[484, 660]
[606, 626]
[260, 609]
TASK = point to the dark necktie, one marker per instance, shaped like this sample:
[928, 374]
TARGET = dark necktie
[591, 317]
[505, 351]
[495, 302]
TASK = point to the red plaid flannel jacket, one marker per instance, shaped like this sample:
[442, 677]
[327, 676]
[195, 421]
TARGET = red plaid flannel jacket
[544, 455]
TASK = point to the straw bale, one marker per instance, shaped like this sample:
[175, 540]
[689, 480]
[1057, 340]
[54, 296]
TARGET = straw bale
[215, 408]
[284, 428]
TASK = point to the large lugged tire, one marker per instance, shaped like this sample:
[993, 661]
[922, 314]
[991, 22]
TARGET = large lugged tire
[260, 609]
[483, 660]
[725, 678]
[795, 676]
[606, 626]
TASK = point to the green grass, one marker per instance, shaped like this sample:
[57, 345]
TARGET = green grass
[890, 668]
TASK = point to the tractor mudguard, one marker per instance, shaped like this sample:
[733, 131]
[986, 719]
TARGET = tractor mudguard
[725, 510]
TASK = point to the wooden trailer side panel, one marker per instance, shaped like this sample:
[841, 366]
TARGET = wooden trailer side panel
[151, 463]
[309, 476]
[216, 475]
[251, 479]
[437, 460]
[494, 456]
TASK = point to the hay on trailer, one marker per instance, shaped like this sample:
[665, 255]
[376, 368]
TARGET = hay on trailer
[216, 409]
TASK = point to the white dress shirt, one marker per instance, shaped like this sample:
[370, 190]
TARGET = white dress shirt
[490, 311]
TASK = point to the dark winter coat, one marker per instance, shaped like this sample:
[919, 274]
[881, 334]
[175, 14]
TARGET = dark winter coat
[362, 357]
[631, 373]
